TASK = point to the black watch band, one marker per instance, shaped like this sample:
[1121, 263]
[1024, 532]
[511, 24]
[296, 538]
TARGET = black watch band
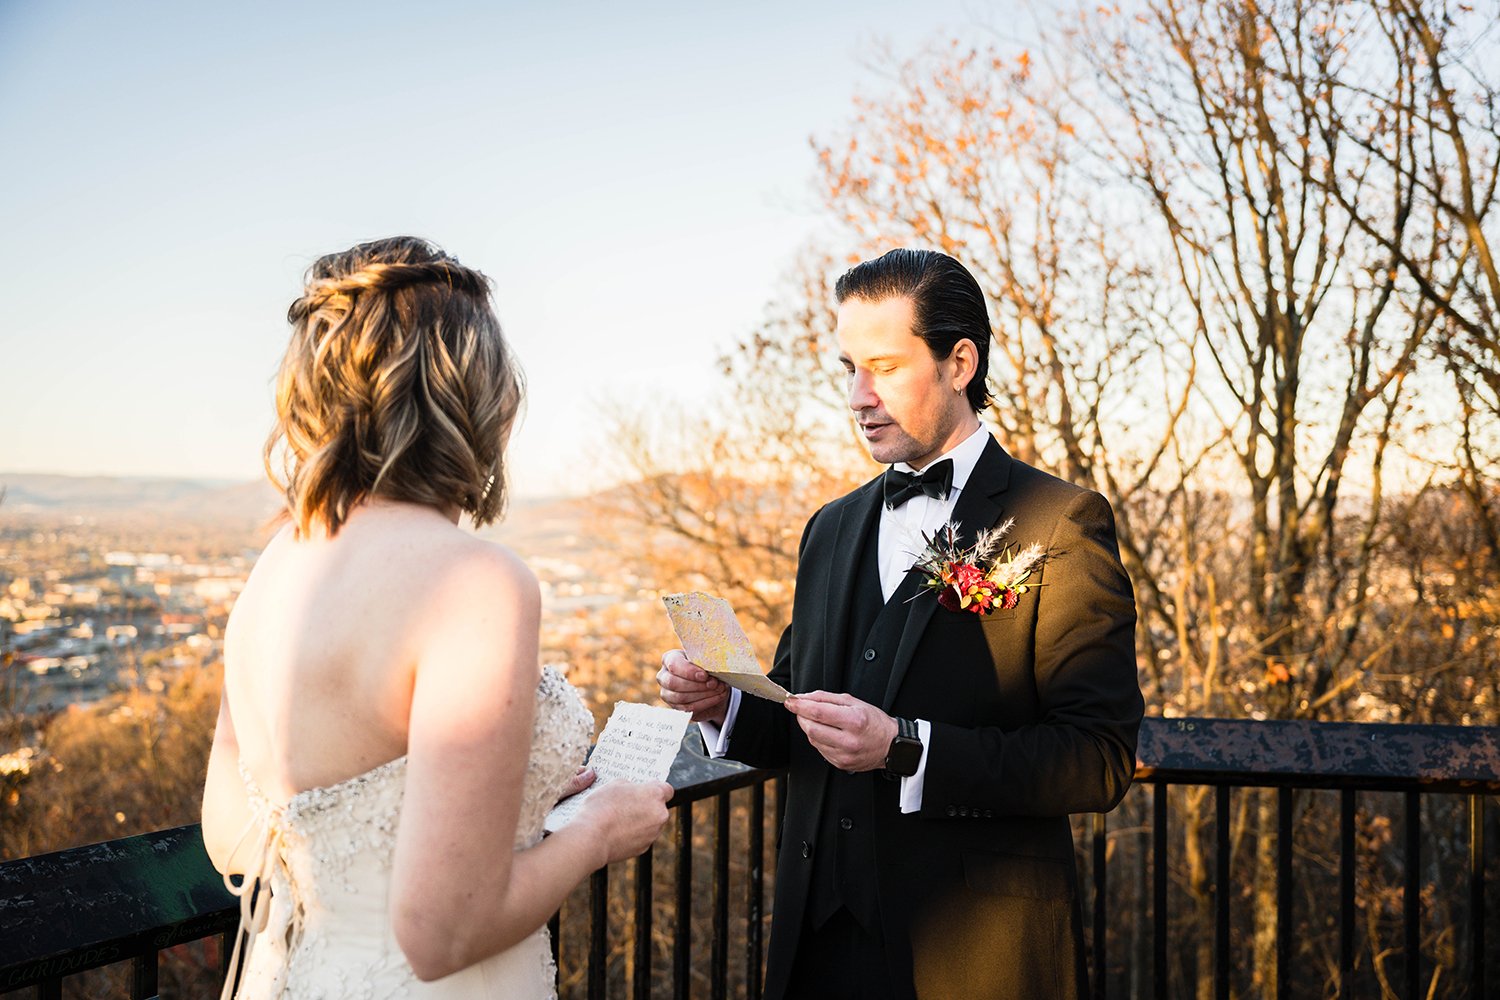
[905, 753]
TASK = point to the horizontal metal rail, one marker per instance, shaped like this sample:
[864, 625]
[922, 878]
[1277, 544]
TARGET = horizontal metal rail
[1348, 758]
[127, 900]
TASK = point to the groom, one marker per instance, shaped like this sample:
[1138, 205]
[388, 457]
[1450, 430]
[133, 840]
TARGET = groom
[935, 748]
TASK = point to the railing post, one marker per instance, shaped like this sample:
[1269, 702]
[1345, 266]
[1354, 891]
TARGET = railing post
[1411, 903]
[641, 987]
[236, 938]
[756, 891]
[719, 956]
[1222, 892]
[1284, 916]
[1348, 862]
[1476, 893]
[554, 931]
[682, 966]
[143, 970]
[226, 952]
[598, 934]
[1159, 889]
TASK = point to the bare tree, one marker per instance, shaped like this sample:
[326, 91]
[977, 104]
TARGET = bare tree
[1241, 285]
[724, 495]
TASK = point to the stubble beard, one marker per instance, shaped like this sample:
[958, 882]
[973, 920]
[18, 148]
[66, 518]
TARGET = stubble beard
[903, 446]
[904, 449]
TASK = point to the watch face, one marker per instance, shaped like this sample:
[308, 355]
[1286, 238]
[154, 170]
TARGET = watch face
[903, 757]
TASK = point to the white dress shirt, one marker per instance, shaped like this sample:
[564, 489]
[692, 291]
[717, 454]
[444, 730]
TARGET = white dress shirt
[900, 543]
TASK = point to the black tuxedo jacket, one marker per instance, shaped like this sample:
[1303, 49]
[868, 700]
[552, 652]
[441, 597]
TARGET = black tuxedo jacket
[1034, 713]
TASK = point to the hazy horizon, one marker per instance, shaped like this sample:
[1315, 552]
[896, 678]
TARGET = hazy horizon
[635, 181]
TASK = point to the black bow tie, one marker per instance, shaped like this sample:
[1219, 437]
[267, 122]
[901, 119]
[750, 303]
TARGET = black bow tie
[934, 481]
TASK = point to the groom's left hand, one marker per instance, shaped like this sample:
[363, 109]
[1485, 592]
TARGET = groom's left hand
[852, 735]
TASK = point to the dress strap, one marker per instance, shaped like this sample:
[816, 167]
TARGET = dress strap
[262, 837]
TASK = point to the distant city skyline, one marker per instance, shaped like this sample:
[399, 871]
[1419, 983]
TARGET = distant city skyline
[636, 180]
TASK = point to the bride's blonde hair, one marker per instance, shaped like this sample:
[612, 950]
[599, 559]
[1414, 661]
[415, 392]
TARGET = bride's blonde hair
[397, 383]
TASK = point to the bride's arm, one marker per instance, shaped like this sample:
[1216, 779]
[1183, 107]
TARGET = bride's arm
[226, 809]
[459, 891]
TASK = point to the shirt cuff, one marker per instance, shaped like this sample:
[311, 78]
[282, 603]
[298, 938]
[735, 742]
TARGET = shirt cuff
[716, 738]
[911, 788]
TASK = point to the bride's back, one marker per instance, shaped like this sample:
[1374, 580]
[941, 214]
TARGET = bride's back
[322, 644]
[393, 402]
[387, 748]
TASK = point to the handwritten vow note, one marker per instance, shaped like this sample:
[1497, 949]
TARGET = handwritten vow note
[712, 638]
[639, 743]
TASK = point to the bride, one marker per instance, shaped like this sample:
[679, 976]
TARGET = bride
[386, 747]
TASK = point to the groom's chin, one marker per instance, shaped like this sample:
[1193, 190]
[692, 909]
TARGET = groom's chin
[890, 452]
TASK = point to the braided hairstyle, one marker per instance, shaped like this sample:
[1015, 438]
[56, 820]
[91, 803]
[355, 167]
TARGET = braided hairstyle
[397, 383]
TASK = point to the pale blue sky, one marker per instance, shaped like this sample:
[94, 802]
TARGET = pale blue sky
[635, 177]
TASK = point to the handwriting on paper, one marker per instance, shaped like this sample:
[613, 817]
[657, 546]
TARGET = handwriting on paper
[639, 743]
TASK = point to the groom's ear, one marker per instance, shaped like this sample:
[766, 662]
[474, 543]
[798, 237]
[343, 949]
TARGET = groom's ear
[965, 358]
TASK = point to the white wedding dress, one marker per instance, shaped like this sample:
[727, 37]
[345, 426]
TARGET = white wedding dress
[326, 854]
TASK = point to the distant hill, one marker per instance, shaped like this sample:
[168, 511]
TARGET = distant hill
[228, 502]
[536, 526]
[207, 499]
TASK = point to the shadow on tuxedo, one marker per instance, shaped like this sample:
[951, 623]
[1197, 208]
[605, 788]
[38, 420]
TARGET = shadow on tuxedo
[1005, 930]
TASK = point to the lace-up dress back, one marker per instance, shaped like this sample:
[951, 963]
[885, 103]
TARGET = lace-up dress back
[325, 929]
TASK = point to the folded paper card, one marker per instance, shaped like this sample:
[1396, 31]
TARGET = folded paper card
[639, 743]
[712, 638]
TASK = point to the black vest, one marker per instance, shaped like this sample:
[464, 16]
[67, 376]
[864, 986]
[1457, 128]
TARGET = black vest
[845, 861]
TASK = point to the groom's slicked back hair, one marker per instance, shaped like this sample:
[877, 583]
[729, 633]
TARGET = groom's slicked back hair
[946, 300]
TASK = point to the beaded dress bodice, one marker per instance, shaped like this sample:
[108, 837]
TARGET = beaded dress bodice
[326, 854]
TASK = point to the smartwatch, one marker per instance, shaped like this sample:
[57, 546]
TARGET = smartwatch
[905, 753]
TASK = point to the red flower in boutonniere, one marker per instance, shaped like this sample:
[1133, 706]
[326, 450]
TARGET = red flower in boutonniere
[982, 577]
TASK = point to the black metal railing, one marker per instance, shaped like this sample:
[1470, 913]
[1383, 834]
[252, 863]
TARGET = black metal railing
[126, 901]
[120, 901]
[1237, 756]
[697, 780]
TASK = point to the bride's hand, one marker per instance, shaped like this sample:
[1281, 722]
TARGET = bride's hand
[626, 816]
[582, 778]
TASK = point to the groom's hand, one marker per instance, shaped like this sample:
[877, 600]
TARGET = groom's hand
[687, 687]
[852, 735]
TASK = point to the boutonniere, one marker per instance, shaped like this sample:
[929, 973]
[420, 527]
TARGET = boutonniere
[982, 577]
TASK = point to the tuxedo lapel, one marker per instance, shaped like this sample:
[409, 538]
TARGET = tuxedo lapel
[856, 529]
[978, 507]
[979, 504]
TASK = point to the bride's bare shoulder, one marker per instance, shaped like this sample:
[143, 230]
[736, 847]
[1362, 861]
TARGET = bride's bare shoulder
[468, 571]
[480, 608]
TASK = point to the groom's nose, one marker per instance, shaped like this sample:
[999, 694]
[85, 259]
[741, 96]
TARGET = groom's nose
[861, 392]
